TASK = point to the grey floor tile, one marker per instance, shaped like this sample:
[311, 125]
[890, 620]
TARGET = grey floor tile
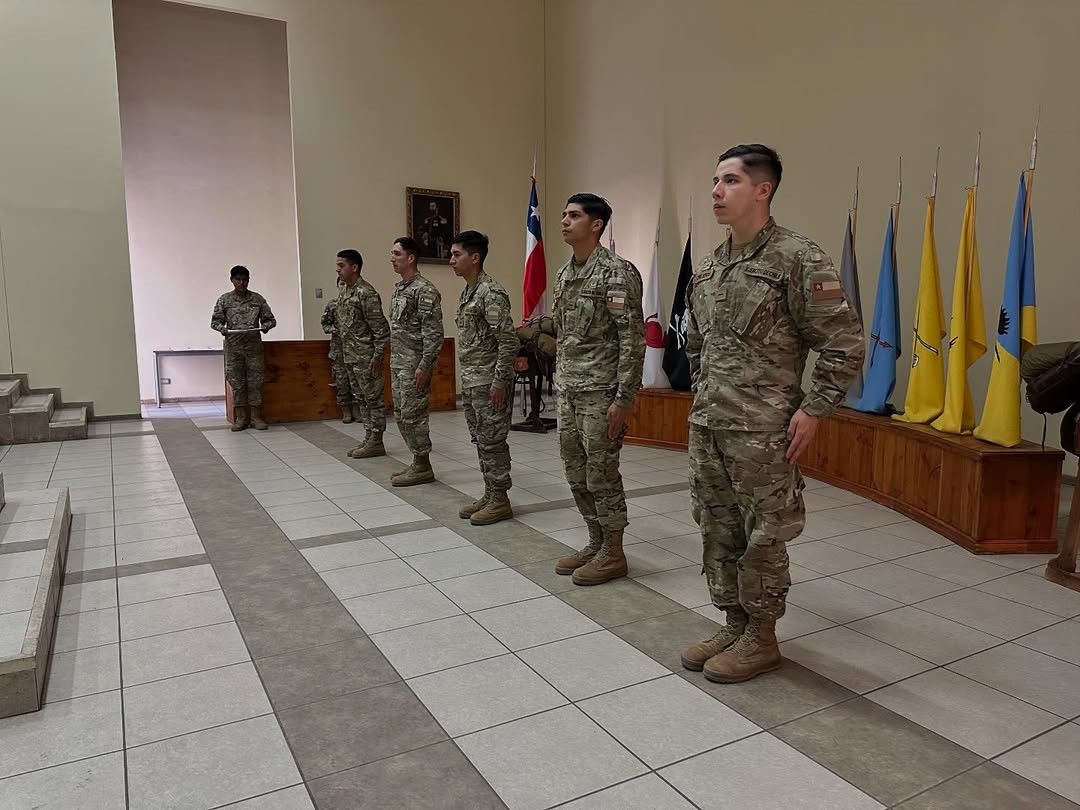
[454, 562]
[825, 558]
[256, 602]
[485, 693]
[529, 546]
[432, 778]
[990, 614]
[925, 635]
[665, 720]
[299, 628]
[165, 584]
[364, 501]
[212, 767]
[548, 758]
[489, 589]
[897, 582]
[987, 786]
[537, 621]
[61, 732]
[387, 516]
[77, 631]
[838, 601]
[292, 798]
[406, 544]
[390, 610]
[316, 527]
[883, 754]
[91, 538]
[172, 614]
[150, 514]
[169, 708]
[822, 525]
[83, 672]
[1029, 675]
[136, 532]
[1049, 760]
[620, 602]
[952, 564]
[88, 596]
[795, 622]
[437, 645]
[1036, 592]
[663, 638]
[1061, 640]
[648, 558]
[163, 548]
[360, 580]
[69, 785]
[853, 660]
[646, 791]
[588, 665]
[763, 773]
[303, 510]
[342, 555]
[543, 574]
[316, 673]
[165, 656]
[683, 585]
[968, 713]
[290, 496]
[360, 727]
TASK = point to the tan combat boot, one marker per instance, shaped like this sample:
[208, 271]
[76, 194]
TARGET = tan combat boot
[367, 440]
[372, 448]
[419, 472]
[474, 507]
[754, 653]
[565, 566]
[347, 415]
[695, 656]
[240, 418]
[608, 564]
[497, 508]
[256, 418]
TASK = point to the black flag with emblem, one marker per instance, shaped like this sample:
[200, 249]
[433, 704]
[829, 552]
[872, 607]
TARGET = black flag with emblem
[676, 366]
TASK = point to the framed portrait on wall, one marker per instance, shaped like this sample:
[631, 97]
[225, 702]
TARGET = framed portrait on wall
[432, 219]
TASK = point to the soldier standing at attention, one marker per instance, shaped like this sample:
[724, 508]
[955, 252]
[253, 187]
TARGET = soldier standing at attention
[416, 337]
[243, 317]
[601, 350]
[755, 306]
[487, 346]
[364, 333]
[337, 358]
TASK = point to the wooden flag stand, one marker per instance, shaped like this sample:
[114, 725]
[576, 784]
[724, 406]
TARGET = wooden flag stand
[1062, 569]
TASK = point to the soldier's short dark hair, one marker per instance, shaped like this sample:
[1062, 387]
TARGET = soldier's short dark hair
[352, 257]
[239, 271]
[760, 161]
[595, 206]
[472, 242]
[409, 245]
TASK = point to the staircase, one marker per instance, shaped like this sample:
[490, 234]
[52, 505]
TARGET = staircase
[38, 414]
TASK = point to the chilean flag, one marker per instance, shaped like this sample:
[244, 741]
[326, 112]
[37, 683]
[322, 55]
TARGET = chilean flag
[653, 374]
[535, 283]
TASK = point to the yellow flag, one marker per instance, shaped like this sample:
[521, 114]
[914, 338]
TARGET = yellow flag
[968, 329]
[925, 398]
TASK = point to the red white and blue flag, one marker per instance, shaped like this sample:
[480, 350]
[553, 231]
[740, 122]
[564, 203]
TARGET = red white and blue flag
[535, 283]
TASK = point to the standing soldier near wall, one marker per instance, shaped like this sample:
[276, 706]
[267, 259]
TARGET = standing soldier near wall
[243, 317]
[416, 337]
[364, 333]
[487, 346]
[601, 351]
[755, 306]
[343, 390]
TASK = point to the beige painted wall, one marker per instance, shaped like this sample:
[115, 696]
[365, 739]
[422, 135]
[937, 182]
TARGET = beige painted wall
[640, 114]
[63, 237]
[207, 143]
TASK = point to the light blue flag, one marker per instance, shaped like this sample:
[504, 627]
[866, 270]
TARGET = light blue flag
[884, 346]
[849, 279]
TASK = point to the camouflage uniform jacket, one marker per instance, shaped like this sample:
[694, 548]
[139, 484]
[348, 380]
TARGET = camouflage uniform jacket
[752, 319]
[235, 311]
[599, 324]
[329, 326]
[487, 342]
[416, 327]
[361, 324]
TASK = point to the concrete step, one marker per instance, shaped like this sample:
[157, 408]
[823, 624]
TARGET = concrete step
[10, 391]
[68, 423]
[28, 420]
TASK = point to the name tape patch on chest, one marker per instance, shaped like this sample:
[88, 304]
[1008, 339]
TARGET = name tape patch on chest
[826, 290]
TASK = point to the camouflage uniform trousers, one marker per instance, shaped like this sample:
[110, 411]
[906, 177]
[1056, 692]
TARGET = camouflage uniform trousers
[342, 390]
[591, 459]
[411, 410]
[245, 369]
[490, 429]
[367, 392]
[747, 500]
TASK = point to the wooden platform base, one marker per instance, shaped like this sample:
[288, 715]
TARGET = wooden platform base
[660, 417]
[986, 498]
[297, 387]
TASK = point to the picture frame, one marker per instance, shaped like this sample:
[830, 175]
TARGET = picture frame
[432, 217]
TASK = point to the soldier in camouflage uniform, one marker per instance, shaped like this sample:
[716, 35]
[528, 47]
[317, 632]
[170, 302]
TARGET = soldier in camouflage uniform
[416, 337]
[487, 346]
[364, 333]
[337, 358]
[755, 306]
[601, 350]
[243, 317]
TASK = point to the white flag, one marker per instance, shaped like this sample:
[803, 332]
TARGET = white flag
[653, 375]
